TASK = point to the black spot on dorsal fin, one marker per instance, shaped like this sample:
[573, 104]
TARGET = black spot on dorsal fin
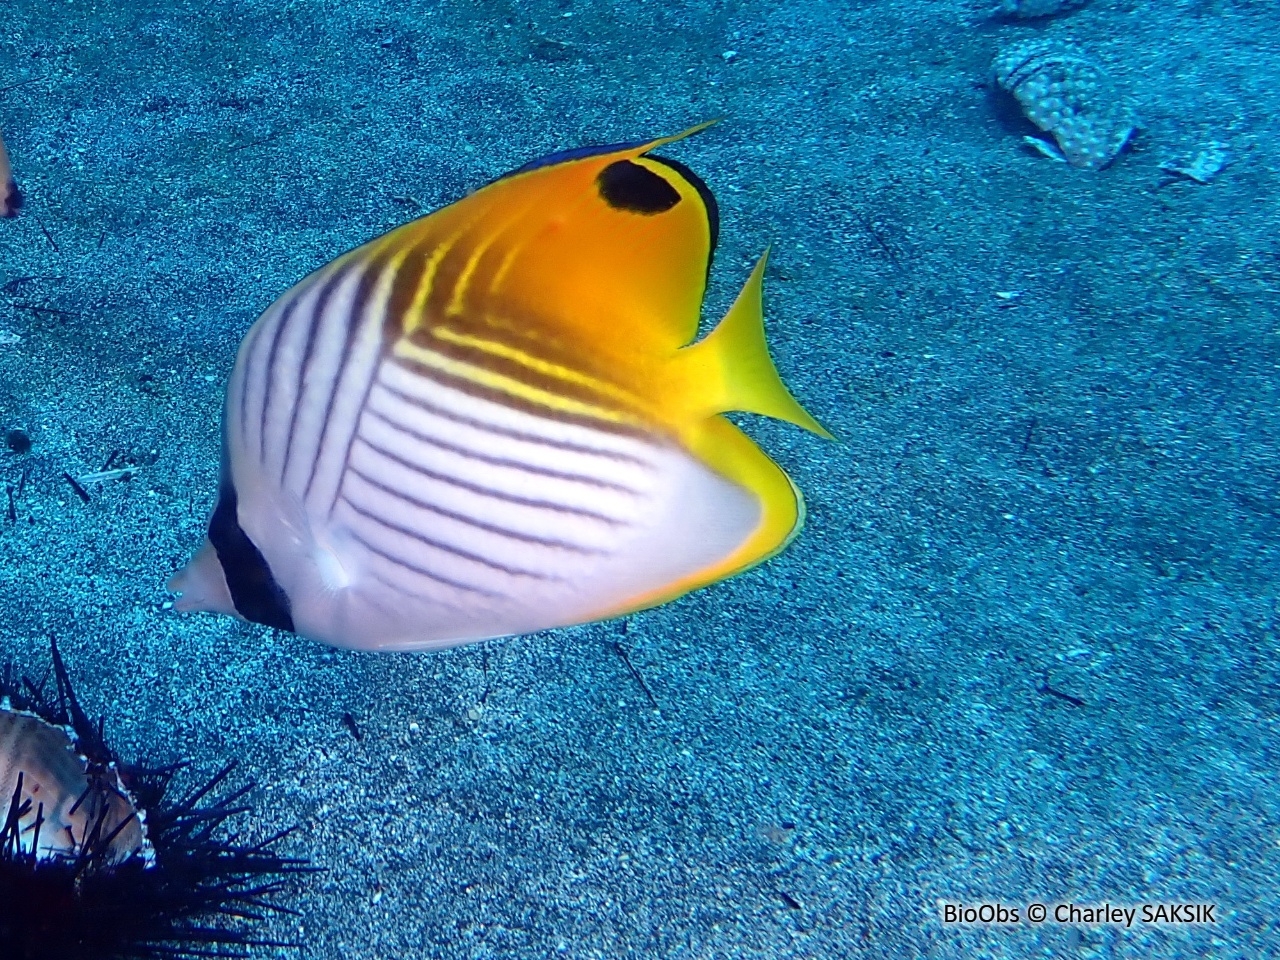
[626, 185]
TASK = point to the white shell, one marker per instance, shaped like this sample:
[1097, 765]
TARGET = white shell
[64, 796]
[1208, 163]
[1069, 96]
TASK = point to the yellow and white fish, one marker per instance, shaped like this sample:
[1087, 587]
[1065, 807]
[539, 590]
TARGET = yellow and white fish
[490, 420]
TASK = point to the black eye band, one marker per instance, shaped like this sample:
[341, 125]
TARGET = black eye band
[628, 186]
[254, 590]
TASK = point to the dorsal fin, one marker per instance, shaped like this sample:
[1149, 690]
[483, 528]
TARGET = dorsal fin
[613, 244]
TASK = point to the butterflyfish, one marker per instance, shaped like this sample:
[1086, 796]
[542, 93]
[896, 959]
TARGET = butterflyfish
[10, 197]
[493, 420]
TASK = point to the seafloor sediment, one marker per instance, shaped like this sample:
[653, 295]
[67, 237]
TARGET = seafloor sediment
[1026, 646]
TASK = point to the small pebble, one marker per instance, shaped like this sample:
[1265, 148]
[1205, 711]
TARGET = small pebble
[18, 441]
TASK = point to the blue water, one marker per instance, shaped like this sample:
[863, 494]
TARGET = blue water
[1025, 649]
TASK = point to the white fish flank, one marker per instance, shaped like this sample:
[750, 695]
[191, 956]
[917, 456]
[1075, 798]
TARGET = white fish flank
[474, 485]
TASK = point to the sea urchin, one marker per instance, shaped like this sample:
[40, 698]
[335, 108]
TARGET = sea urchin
[98, 862]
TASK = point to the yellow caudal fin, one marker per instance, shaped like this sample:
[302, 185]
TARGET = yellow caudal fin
[731, 368]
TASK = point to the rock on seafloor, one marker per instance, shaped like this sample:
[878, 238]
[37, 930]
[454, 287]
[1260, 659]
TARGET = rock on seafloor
[1034, 9]
[1069, 96]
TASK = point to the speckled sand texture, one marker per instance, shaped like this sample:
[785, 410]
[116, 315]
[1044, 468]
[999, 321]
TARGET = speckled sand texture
[1055, 389]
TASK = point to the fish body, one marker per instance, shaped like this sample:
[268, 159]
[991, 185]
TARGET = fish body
[491, 421]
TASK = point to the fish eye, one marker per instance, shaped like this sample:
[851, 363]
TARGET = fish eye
[626, 185]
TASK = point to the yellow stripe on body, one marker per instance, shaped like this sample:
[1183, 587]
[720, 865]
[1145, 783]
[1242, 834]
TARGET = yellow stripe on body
[512, 387]
[471, 279]
[539, 365]
[457, 305]
[416, 315]
[495, 234]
